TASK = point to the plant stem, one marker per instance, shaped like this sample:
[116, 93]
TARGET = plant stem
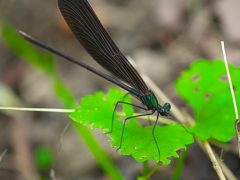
[179, 165]
[152, 171]
[145, 168]
[216, 164]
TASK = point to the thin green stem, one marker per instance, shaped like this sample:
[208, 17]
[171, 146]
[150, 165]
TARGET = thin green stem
[152, 171]
[145, 168]
[179, 166]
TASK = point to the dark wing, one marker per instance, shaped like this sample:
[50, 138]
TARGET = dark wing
[89, 31]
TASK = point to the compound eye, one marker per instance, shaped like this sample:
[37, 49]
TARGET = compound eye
[167, 106]
[162, 112]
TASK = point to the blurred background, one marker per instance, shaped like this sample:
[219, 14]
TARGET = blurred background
[163, 37]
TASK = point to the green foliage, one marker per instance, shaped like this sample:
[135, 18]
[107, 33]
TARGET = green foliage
[205, 88]
[97, 110]
[44, 158]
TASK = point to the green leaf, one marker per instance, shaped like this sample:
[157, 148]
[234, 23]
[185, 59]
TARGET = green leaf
[96, 110]
[205, 88]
